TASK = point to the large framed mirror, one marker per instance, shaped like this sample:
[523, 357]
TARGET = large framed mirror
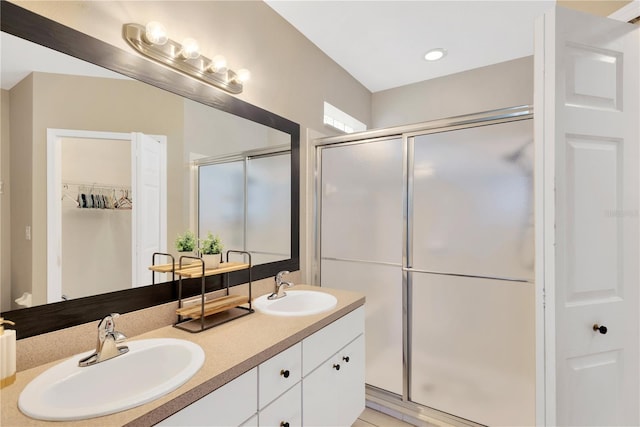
[196, 121]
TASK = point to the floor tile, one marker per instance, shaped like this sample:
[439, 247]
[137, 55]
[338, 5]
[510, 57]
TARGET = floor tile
[381, 420]
[361, 423]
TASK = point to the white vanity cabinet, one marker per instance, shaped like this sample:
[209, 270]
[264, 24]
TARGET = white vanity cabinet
[279, 390]
[316, 382]
[231, 405]
[333, 391]
[278, 374]
[285, 411]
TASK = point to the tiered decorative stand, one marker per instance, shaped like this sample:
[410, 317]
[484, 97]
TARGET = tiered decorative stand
[204, 315]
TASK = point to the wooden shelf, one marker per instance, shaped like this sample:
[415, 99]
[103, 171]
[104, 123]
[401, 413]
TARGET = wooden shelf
[161, 268]
[167, 268]
[195, 270]
[204, 323]
[212, 307]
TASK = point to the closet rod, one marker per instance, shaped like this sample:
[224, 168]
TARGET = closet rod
[98, 184]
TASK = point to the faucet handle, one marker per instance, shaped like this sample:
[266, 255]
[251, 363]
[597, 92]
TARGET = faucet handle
[279, 276]
[108, 324]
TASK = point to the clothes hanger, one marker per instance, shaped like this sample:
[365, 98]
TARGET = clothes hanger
[66, 195]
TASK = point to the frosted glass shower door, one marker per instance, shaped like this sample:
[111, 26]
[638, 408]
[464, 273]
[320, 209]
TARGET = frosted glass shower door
[361, 244]
[471, 255]
[269, 208]
[221, 202]
[473, 352]
[472, 201]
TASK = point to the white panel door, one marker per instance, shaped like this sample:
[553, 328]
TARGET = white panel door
[149, 214]
[587, 78]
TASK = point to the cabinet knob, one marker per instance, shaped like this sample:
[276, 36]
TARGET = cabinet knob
[600, 328]
[284, 424]
[336, 366]
[345, 358]
[285, 373]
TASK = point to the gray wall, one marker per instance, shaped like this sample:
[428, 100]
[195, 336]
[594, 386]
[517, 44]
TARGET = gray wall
[5, 211]
[20, 182]
[488, 88]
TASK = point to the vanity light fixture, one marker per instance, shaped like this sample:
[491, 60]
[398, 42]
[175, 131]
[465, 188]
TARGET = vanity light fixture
[218, 64]
[152, 41]
[435, 54]
[155, 33]
[190, 49]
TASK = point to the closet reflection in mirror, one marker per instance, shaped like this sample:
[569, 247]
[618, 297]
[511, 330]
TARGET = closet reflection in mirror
[96, 206]
[44, 96]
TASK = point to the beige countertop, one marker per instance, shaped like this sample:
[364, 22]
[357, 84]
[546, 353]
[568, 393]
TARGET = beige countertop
[230, 350]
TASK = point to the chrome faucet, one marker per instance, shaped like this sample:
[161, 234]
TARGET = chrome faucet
[108, 338]
[280, 285]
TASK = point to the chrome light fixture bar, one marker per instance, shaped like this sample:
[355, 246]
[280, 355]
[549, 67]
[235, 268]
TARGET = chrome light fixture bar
[184, 57]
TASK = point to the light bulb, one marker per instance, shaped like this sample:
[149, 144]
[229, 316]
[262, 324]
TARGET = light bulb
[190, 49]
[218, 64]
[435, 54]
[243, 75]
[155, 33]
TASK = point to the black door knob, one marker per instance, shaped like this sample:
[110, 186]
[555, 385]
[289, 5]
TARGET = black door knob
[600, 328]
[336, 366]
[284, 424]
[345, 358]
[285, 373]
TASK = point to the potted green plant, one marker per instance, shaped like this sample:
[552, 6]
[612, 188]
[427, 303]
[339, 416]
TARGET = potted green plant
[186, 243]
[211, 250]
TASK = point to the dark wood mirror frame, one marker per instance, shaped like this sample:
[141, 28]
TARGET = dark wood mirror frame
[43, 31]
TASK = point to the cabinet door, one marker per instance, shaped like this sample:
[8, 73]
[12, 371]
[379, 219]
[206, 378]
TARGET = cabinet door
[252, 422]
[279, 374]
[334, 395]
[230, 405]
[320, 346]
[284, 411]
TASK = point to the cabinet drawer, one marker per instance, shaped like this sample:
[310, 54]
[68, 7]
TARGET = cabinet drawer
[323, 344]
[279, 374]
[286, 410]
[230, 405]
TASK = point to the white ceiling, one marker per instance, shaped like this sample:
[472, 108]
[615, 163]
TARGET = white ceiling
[382, 43]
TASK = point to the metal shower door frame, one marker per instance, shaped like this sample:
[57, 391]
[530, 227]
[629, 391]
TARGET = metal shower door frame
[408, 134]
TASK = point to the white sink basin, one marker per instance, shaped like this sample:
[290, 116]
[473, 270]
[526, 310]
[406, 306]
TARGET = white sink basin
[296, 303]
[151, 369]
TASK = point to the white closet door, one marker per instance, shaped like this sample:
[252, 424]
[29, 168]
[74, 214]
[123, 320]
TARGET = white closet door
[149, 217]
[587, 77]
[362, 199]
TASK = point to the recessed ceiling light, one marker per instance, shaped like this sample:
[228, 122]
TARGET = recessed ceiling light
[435, 54]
